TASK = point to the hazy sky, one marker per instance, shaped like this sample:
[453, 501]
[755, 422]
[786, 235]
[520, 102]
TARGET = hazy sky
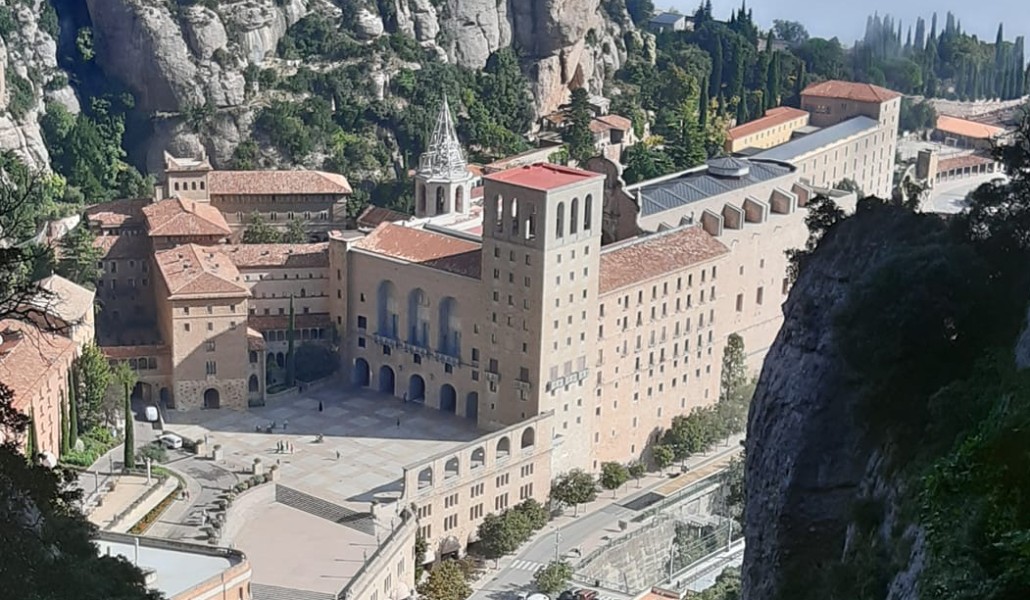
[846, 18]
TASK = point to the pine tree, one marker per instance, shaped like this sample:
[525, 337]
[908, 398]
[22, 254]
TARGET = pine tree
[291, 367]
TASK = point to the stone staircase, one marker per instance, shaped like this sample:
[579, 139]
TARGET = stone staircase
[261, 591]
[359, 521]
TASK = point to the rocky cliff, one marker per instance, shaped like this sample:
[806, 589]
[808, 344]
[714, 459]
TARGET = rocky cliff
[176, 58]
[29, 76]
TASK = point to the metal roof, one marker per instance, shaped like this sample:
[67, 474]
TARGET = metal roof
[799, 147]
[698, 184]
[667, 18]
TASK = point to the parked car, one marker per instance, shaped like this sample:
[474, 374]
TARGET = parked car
[150, 413]
[171, 441]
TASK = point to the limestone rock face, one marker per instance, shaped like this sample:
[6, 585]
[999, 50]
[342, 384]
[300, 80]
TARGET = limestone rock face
[28, 65]
[258, 25]
[369, 26]
[807, 461]
[204, 31]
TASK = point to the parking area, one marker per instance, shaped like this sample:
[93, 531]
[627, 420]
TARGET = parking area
[368, 437]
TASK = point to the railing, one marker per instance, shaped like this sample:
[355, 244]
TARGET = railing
[407, 521]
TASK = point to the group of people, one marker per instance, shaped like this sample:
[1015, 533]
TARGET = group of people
[284, 447]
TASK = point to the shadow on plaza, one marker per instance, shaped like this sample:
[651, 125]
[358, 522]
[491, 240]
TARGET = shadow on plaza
[352, 413]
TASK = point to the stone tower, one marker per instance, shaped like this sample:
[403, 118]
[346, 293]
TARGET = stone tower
[443, 183]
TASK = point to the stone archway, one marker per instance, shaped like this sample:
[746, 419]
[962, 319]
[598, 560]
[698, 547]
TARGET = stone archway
[448, 399]
[417, 388]
[386, 380]
[212, 399]
[362, 373]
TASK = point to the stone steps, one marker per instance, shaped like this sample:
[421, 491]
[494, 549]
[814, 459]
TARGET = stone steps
[261, 591]
[313, 505]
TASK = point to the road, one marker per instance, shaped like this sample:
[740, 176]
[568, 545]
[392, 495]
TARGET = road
[950, 196]
[516, 573]
[206, 482]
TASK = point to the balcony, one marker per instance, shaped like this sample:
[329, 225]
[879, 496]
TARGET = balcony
[523, 385]
[491, 376]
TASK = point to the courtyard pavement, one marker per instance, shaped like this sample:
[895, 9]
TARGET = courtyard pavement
[375, 434]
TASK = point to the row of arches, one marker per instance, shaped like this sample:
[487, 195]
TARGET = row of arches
[448, 339]
[525, 225]
[386, 382]
[502, 450]
[441, 200]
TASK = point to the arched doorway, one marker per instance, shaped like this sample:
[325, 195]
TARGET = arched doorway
[417, 388]
[142, 391]
[448, 398]
[212, 399]
[472, 406]
[361, 373]
[166, 398]
[280, 359]
[386, 384]
[253, 385]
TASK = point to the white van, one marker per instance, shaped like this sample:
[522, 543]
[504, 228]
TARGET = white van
[171, 441]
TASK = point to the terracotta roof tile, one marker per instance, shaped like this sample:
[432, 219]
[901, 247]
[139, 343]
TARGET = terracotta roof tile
[616, 122]
[296, 256]
[848, 90]
[962, 162]
[123, 352]
[255, 341]
[178, 217]
[27, 355]
[373, 216]
[433, 250]
[645, 258]
[123, 246]
[969, 129]
[276, 182]
[278, 322]
[542, 176]
[66, 300]
[773, 117]
[117, 213]
[192, 270]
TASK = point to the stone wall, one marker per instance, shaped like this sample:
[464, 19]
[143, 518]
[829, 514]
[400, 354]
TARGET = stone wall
[232, 393]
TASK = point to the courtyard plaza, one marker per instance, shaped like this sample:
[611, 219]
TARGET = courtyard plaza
[375, 434]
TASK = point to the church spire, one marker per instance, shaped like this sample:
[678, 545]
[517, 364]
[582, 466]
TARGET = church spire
[443, 158]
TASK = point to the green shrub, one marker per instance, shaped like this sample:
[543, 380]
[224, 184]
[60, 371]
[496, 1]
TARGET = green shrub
[155, 451]
[23, 96]
[95, 442]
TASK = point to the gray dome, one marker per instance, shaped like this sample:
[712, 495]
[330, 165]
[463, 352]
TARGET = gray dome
[735, 168]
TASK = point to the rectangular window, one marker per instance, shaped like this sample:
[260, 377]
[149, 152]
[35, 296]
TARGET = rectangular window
[740, 302]
[211, 368]
[210, 326]
[362, 322]
[758, 295]
[210, 346]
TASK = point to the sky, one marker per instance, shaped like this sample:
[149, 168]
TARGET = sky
[846, 18]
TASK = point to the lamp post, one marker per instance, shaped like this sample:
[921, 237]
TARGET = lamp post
[557, 541]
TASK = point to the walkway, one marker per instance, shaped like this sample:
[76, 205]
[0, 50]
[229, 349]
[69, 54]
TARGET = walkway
[597, 524]
[206, 481]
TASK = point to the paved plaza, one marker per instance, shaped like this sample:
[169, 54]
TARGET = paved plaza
[375, 434]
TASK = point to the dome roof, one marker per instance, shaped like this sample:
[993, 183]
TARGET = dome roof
[729, 167]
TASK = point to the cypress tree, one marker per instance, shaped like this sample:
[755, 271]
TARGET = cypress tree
[920, 41]
[702, 107]
[129, 448]
[73, 408]
[933, 27]
[65, 432]
[999, 63]
[799, 83]
[715, 89]
[291, 366]
[772, 83]
[31, 445]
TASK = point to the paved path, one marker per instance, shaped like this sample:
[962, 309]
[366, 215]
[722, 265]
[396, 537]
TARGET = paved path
[206, 482]
[597, 522]
[950, 196]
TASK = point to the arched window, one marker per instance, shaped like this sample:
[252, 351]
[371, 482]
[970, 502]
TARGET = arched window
[422, 198]
[441, 201]
[588, 212]
[194, 185]
[176, 186]
[513, 214]
[531, 223]
[459, 199]
[559, 221]
[574, 216]
[500, 213]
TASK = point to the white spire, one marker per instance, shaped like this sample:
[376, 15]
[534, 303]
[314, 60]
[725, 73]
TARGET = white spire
[444, 158]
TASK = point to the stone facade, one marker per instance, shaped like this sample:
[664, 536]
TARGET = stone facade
[231, 393]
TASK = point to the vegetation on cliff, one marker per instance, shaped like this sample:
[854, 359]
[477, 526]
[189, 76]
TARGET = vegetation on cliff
[927, 337]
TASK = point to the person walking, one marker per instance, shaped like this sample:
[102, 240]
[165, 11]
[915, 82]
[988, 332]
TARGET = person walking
[319, 406]
[337, 455]
[285, 423]
[398, 422]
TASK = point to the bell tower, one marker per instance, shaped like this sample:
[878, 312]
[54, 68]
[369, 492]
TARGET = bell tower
[443, 183]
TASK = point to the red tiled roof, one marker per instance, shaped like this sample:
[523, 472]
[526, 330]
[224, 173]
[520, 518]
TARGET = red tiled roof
[616, 122]
[419, 246]
[278, 255]
[255, 341]
[117, 213]
[848, 90]
[969, 129]
[658, 254]
[374, 216]
[123, 246]
[27, 354]
[192, 270]
[277, 182]
[123, 352]
[542, 176]
[962, 162]
[277, 322]
[476, 170]
[773, 117]
[178, 217]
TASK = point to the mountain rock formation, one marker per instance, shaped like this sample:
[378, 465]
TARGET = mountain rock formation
[178, 58]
